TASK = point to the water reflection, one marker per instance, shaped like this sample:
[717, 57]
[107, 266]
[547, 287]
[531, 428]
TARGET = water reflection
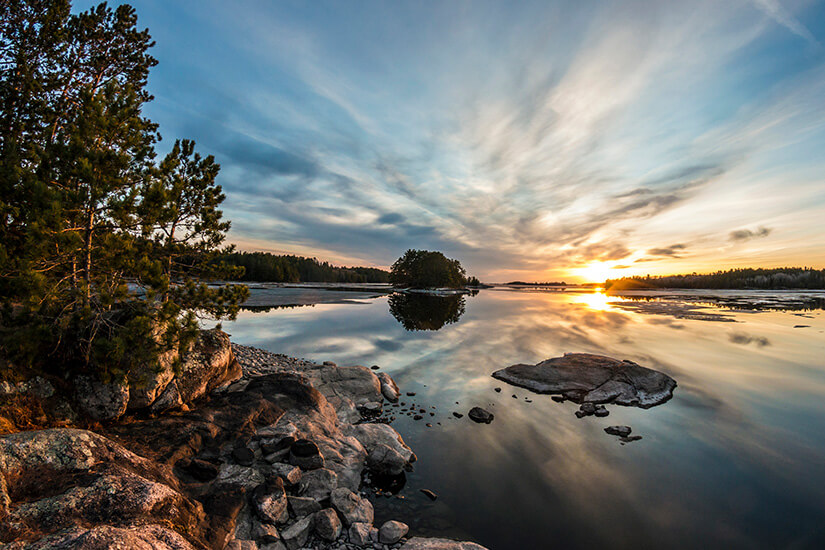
[734, 460]
[426, 312]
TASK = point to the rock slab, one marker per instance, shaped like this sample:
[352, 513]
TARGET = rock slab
[588, 378]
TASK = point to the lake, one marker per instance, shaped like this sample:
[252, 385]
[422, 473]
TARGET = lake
[736, 459]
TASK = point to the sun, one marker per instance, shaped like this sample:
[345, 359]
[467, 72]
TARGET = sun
[596, 272]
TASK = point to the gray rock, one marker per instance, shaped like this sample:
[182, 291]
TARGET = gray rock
[270, 502]
[297, 534]
[265, 532]
[373, 435]
[303, 506]
[477, 414]
[359, 533]
[385, 460]
[584, 377]
[392, 531]
[318, 484]
[100, 400]
[289, 473]
[327, 525]
[621, 431]
[352, 507]
[389, 389]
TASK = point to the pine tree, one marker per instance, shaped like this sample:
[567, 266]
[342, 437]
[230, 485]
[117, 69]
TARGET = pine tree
[104, 252]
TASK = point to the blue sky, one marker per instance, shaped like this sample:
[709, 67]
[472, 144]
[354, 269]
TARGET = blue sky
[537, 140]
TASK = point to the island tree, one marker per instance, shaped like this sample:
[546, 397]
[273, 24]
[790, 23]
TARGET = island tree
[427, 269]
[104, 252]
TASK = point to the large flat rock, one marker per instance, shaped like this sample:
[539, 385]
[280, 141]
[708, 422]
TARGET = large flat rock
[584, 377]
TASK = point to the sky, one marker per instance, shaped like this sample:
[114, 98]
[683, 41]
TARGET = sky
[536, 141]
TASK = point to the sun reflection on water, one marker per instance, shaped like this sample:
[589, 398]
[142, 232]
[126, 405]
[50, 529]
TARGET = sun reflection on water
[597, 301]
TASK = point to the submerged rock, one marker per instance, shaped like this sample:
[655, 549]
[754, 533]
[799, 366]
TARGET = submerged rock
[587, 378]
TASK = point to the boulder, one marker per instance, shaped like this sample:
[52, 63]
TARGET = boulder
[587, 378]
[142, 537]
[318, 484]
[389, 389]
[352, 507]
[384, 460]
[287, 472]
[359, 533]
[101, 400]
[264, 532]
[303, 506]
[327, 525]
[297, 534]
[373, 435]
[270, 502]
[392, 531]
[477, 414]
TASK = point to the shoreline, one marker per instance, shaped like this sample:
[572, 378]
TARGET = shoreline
[279, 457]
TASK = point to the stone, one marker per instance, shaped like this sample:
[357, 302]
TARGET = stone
[243, 456]
[296, 535]
[318, 484]
[389, 389]
[327, 525]
[287, 472]
[265, 532]
[497, 390]
[458, 415]
[589, 378]
[373, 435]
[385, 460]
[600, 411]
[439, 544]
[373, 408]
[270, 502]
[587, 408]
[392, 531]
[359, 533]
[302, 506]
[352, 507]
[621, 431]
[630, 438]
[477, 414]
[100, 400]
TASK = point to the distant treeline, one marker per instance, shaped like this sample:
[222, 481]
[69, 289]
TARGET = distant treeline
[778, 278]
[266, 267]
[523, 283]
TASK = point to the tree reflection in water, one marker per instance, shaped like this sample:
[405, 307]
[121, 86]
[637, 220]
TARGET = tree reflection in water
[426, 312]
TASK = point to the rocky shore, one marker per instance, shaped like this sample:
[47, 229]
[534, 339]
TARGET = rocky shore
[238, 449]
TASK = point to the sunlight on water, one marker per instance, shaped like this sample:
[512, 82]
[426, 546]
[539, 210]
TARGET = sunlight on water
[735, 459]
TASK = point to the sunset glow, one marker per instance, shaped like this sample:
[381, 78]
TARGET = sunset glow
[555, 140]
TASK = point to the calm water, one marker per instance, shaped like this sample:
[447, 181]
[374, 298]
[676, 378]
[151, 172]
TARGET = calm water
[735, 459]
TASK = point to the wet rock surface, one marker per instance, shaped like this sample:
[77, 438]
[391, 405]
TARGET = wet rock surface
[593, 379]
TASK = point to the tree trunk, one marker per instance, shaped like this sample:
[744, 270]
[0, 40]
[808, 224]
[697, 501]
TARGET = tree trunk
[87, 245]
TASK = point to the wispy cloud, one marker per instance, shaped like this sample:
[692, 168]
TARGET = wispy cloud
[778, 13]
[360, 131]
[748, 234]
